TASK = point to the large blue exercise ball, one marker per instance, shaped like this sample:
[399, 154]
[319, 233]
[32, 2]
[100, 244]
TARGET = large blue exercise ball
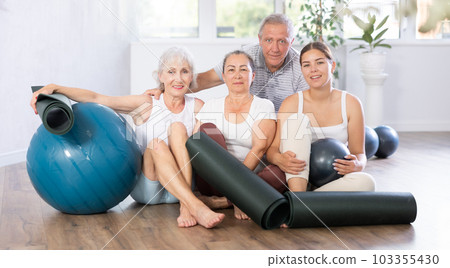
[388, 139]
[323, 154]
[90, 169]
[371, 142]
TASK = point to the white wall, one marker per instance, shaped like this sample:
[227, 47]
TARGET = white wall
[69, 42]
[79, 43]
[416, 94]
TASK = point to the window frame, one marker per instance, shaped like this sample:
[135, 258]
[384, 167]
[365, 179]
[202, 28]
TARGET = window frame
[208, 30]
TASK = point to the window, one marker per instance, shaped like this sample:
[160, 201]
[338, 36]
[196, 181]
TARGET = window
[361, 8]
[431, 19]
[168, 18]
[292, 10]
[241, 18]
[211, 19]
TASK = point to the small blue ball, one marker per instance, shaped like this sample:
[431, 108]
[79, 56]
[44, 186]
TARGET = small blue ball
[90, 169]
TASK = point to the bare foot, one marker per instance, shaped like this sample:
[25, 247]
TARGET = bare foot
[284, 225]
[239, 214]
[185, 219]
[214, 202]
[206, 217]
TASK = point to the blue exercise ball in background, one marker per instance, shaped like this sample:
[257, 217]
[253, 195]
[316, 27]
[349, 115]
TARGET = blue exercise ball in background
[371, 142]
[323, 154]
[90, 169]
[388, 139]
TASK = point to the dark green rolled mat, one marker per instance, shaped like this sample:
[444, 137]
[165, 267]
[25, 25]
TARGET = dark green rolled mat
[55, 111]
[256, 198]
[320, 209]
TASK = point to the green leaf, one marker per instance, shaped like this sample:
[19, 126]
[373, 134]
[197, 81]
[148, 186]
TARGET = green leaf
[367, 37]
[356, 38]
[380, 34]
[359, 23]
[385, 45]
[382, 22]
[372, 19]
[378, 43]
[356, 48]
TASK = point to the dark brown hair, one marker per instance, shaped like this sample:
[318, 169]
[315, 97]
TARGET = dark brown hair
[319, 46]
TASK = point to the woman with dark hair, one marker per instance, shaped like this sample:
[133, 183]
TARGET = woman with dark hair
[242, 123]
[320, 112]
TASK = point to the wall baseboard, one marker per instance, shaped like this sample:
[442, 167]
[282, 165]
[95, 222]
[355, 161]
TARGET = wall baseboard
[13, 157]
[420, 126]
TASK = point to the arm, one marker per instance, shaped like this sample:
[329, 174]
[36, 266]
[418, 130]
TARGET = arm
[122, 104]
[207, 80]
[357, 160]
[262, 137]
[198, 105]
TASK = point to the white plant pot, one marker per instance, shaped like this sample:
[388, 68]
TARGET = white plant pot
[372, 63]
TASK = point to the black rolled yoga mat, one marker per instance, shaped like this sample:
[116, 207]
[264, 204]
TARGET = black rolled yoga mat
[256, 198]
[320, 209]
[55, 111]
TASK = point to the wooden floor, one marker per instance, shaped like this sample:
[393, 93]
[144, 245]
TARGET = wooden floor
[420, 166]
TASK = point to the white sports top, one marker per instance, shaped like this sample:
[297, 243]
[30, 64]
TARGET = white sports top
[161, 118]
[238, 137]
[338, 132]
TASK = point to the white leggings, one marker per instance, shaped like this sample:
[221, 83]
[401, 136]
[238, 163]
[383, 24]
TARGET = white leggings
[296, 137]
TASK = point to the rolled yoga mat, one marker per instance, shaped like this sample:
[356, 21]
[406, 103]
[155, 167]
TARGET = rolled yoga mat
[320, 209]
[256, 198]
[55, 111]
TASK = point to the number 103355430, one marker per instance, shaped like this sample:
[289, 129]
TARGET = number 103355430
[405, 259]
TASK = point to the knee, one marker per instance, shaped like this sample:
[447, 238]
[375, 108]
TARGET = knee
[157, 146]
[178, 128]
[177, 132]
[362, 181]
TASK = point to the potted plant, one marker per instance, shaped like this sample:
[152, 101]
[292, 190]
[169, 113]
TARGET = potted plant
[371, 61]
[322, 21]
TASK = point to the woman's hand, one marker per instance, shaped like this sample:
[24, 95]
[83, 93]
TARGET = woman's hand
[289, 164]
[48, 89]
[352, 164]
[156, 92]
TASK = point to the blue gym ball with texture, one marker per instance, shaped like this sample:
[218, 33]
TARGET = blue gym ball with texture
[388, 139]
[90, 169]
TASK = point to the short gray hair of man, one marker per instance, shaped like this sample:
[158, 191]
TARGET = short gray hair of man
[278, 18]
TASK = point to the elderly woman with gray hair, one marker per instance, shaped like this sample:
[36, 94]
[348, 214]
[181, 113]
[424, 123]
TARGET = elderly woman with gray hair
[163, 127]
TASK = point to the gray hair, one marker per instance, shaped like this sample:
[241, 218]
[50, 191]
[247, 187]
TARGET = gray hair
[278, 18]
[178, 55]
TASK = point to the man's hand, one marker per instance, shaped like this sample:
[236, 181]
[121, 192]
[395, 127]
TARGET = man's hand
[156, 92]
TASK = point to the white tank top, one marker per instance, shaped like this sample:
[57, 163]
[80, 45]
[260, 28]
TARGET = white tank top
[338, 132]
[161, 118]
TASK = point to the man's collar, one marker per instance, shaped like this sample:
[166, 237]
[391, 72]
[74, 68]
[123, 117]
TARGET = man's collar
[261, 62]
